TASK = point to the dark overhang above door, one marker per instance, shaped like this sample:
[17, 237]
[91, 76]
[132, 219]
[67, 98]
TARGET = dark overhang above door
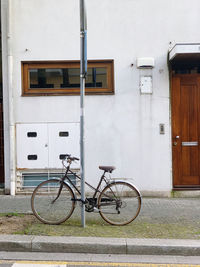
[185, 55]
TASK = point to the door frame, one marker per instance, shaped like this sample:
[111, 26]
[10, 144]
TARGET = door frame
[174, 169]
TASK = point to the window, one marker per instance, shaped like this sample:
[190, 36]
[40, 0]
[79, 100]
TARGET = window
[63, 78]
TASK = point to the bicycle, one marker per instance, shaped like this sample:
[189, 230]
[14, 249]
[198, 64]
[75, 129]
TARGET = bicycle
[53, 201]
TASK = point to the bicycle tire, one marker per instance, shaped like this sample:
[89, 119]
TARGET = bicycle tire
[119, 203]
[52, 212]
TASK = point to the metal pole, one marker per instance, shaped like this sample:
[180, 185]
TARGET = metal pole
[83, 71]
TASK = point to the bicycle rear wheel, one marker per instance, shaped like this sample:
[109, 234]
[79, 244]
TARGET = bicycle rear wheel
[119, 203]
[47, 208]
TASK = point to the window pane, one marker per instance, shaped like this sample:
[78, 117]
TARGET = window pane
[59, 78]
[74, 78]
[45, 78]
[96, 78]
[102, 77]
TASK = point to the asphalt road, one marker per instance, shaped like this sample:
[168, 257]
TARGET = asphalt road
[22, 259]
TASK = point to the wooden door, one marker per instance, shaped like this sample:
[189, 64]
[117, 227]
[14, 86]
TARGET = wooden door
[186, 130]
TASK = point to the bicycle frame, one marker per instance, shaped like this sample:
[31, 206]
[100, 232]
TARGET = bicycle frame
[96, 190]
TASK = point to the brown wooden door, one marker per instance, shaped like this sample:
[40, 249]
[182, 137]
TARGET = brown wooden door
[186, 130]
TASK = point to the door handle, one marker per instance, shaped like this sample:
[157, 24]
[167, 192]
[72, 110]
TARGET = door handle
[193, 143]
[176, 139]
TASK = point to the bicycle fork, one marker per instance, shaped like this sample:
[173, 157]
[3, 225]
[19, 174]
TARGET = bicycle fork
[59, 191]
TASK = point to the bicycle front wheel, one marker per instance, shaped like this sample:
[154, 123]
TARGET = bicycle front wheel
[50, 207]
[119, 203]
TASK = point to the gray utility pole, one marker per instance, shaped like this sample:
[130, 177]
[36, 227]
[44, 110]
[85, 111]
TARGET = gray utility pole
[83, 72]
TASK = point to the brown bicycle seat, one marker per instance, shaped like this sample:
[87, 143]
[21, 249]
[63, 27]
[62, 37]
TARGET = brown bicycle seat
[107, 168]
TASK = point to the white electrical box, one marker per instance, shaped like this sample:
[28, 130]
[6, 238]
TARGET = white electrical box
[63, 139]
[32, 150]
[145, 62]
[42, 146]
[146, 86]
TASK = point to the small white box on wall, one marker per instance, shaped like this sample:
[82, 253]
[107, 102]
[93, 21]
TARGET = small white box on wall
[146, 86]
[145, 62]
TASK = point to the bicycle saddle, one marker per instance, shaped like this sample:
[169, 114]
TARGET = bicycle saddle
[107, 168]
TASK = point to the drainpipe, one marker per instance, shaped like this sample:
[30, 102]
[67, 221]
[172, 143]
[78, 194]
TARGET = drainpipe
[10, 99]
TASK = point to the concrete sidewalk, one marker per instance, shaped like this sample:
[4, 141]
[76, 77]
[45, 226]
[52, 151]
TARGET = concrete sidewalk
[160, 210]
[99, 245]
[154, 210]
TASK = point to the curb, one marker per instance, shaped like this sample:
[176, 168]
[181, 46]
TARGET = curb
[97, 245]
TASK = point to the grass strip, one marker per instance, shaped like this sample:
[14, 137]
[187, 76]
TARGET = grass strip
[97, 228]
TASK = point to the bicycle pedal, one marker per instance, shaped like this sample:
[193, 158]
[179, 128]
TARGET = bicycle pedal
[96, 209]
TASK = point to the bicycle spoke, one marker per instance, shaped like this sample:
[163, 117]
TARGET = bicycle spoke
[49, 206]
[119, 203]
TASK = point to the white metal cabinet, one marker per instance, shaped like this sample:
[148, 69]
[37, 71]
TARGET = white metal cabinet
[63, 139]
[32, 146]
[41, 146]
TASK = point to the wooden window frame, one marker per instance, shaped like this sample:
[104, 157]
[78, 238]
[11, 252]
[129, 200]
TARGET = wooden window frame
[26, 65]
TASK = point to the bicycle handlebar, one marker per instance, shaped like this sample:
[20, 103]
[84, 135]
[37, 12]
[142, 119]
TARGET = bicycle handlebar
[69, 159]
[73, 158]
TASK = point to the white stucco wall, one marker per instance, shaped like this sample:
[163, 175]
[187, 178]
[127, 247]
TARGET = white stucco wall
[121, 129]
